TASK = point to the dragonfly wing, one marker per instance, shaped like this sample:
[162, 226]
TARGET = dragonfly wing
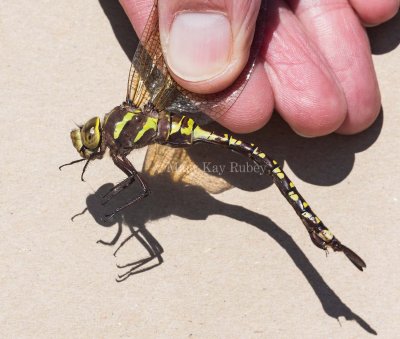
[180, 168]
[149, 79]
[148, 76]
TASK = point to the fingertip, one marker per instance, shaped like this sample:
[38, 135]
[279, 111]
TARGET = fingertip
[206, 44]
[319, 117]
[363, 111]
[198, 49]
[375, 12]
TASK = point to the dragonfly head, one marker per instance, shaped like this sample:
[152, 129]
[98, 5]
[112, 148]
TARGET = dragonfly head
[87, 138]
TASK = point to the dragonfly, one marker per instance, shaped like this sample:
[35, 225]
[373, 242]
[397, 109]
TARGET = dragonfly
[160, 114]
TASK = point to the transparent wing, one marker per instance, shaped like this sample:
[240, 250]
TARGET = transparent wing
[149, 79]
[177, 164]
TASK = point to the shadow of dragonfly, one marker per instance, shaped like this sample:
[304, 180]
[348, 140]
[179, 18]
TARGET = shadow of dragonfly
[166, 200]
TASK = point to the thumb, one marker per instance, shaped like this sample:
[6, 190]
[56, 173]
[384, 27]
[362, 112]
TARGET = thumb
[206, 44]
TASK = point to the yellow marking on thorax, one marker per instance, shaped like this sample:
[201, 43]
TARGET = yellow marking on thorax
[151, 123]
[188, 130]
[119, 126]
[106, 118]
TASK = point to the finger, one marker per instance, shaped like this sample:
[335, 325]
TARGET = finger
[206, 44]
[138, 12]
[254, 107]
[375, 12]
[307, 94]
[336, 30]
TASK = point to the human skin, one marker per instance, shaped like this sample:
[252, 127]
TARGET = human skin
[315, 68]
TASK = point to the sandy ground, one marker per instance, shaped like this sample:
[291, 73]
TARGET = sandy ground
[234, 265]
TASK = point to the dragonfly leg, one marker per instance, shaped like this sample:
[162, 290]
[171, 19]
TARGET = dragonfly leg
[152, 246]
[125, 165]
[115, 239]
[137, 268]
[92, 157]
[126, 168]
[117, 189]
[124, 242]
[136, 265]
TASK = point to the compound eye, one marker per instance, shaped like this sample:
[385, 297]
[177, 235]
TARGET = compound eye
[91, 133]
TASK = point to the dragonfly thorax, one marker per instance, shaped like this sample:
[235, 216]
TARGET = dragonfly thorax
[128, 127]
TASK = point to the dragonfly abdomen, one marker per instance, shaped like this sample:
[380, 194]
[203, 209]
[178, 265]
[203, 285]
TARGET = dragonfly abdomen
[180, 130]
[319, 233]
[183, 131]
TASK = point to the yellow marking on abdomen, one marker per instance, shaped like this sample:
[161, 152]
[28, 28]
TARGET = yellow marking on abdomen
[278, 172]
[293, 196]
[188, 130]
[176, 126]
[199, 133]
[326, 235]
[233, 141]
[307, 215]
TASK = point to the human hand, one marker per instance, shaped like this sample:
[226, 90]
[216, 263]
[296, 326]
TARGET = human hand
[316, 68]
